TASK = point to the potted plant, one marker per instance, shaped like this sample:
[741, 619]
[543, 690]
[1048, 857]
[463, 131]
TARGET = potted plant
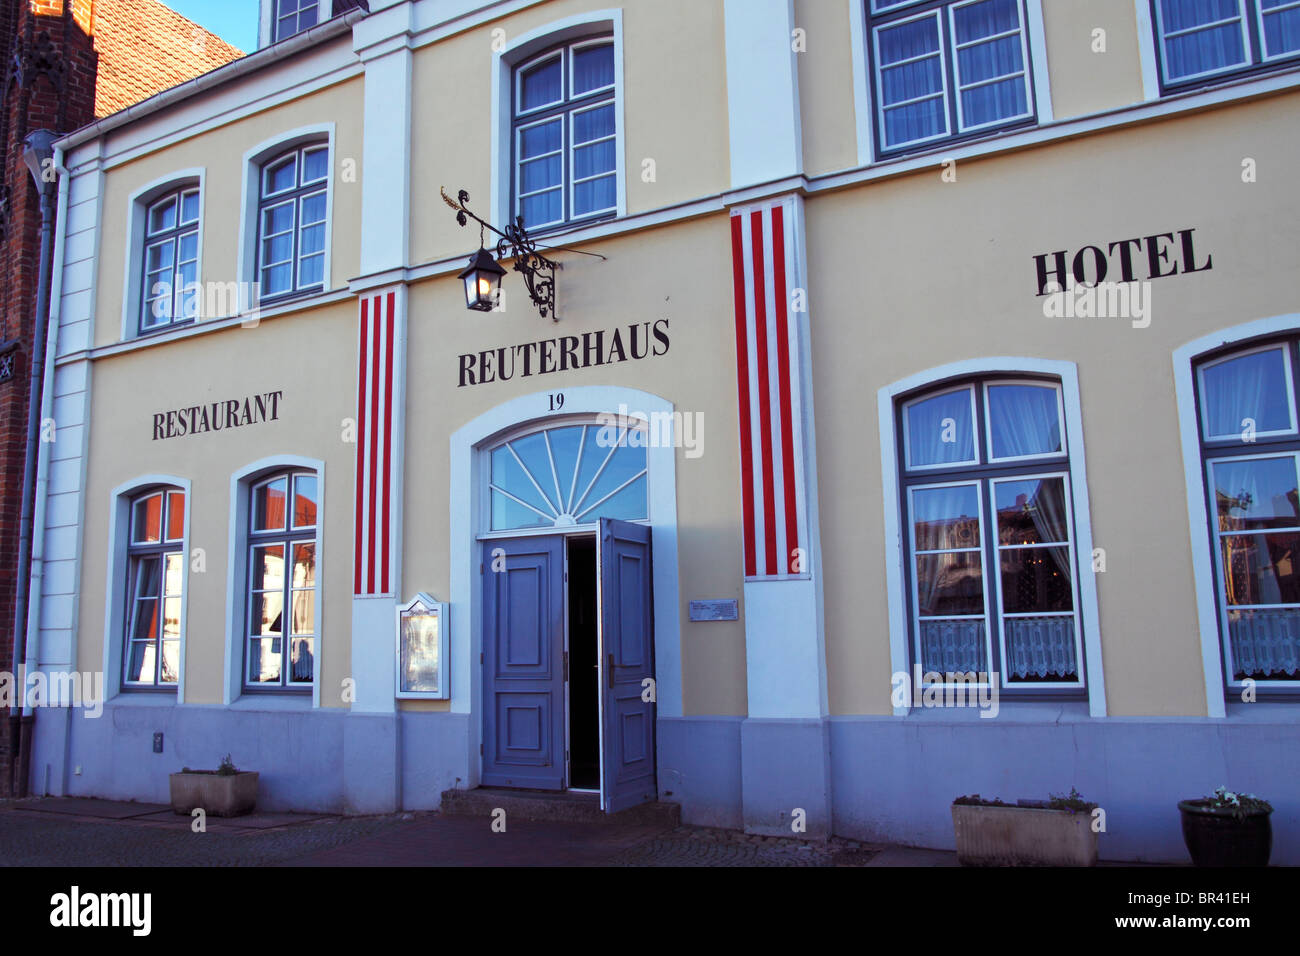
[224, 792]
[1054, 832]
[1227, 829]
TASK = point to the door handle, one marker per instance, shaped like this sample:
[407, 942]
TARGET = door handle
[609, 671]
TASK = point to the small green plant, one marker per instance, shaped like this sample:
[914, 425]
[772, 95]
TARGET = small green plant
[1073, 801]
[1239, 805]
[227, 767]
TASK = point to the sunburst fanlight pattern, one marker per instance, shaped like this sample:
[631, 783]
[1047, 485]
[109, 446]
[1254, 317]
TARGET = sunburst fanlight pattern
[573, 474]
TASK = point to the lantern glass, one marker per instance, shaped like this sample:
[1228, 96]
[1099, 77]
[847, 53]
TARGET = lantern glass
[482, 281]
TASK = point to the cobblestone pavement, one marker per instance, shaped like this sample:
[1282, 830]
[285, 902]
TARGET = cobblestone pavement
[33, 838]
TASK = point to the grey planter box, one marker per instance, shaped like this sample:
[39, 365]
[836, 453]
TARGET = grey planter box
[215, 794]
[1023, 836]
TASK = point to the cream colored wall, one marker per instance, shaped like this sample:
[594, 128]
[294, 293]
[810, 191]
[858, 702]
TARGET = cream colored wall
[679, 273]
[826, 95]
[220, 152]
[913, 273]
[1084, 81]
[674, 104]
[319, 387]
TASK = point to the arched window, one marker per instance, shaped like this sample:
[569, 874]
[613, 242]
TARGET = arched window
[292, 214]
[155, 579]
[565, 134]
[170, 260]
[569, 475]
[991, 564]
[281, 581]
[1250, 449]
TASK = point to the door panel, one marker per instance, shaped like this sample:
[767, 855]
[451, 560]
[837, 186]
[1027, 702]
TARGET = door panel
[626, 637]
[523, 664]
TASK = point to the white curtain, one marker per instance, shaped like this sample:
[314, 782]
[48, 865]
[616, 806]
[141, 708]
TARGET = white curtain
[1281, 27]
[1252, 386]
[1205, 49]
[1041, 648]
[952, 647]
[928, 433]
[1025, 420]
[1265, 643]
[908, 81]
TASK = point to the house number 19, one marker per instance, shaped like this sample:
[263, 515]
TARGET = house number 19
[557, 401]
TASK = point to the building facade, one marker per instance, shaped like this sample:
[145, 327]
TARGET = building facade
[69, 63]
[916, 417]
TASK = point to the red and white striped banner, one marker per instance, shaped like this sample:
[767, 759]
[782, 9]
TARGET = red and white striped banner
[764, 260]
[373, 542]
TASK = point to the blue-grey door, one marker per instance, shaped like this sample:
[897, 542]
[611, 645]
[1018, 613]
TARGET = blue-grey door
[523, 663]
[626, 643]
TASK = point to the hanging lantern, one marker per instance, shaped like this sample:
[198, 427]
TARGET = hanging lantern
[482, 281]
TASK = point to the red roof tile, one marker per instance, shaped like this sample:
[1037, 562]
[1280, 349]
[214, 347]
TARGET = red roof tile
[145, 47]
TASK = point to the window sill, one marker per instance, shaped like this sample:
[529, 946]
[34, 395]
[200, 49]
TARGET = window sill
[272, 700]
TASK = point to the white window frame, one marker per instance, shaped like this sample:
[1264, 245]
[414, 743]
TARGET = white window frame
[267, 20]
[1290, 391]
[1221, 590]
[998, 547]
[593, 25]
[1247, 54]
[115, 587]
[907, 435]
[137, 228]
[916, 590]
[988, 422]
[242, 483]
[1006, 367]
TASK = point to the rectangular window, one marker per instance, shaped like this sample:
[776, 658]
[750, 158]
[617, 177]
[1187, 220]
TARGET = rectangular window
[294, 16]
[945, 70]
[1203, 39]
[169, 292]
[154, 586]
[565, 135]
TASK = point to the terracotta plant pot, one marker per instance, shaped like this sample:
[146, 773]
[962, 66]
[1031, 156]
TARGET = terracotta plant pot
[1218, 837]
[218, 795]
[1023, 836]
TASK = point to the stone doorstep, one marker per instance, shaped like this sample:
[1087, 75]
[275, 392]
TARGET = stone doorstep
[564, 806]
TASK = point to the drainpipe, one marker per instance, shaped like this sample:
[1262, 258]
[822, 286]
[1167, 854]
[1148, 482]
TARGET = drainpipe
[38, 154]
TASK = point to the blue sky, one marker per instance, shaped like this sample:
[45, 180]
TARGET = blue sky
[235, 21]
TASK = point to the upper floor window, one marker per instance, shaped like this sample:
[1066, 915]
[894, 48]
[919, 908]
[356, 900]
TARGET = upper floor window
[294, 16]
[292, 209]
[991, 560]
[1200, 39]
[949, 69]
[565, 135]
[155, 577]
[281, 588]
[1250, 447]
[170, 260]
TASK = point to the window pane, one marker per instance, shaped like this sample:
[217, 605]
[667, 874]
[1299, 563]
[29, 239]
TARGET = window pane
[302, 660]
[507, 513]
[539, 209]
[304, 565]
[141, 662]
[1041, 649]
[626, 505]
[1265, 644]
[189, 250]
[593, 124]
[267, 572]
[1261, 568]
[565, 446]
[949, 584]
[946, 518]
[538, 174]
[173, 573]
[1250, 391]
[508, 476]
[313, 208]
[190, 208]
[990, 59]
[277, 219]
[175, 515]
[594, 159]
[311, 271]
[159, 257]
[621, 468]
[311, 241]
[593, 68]
[171, 662]
[264, 660]
[913, 80]
[539, 139]
[315, 165]
[1031, 511]
[540, 85]
[1024, 420]
[1193, 44]
[953, 647]
[594, 195]
[144, 623]
[939, 430]
[163, 216]
[974, 21]
[308, 16]
[267, 610]
[282, 176]
[994, 101]
[268, 505]
[304, 501]
[146, 522]
[1036, 580]
[304, 612]
[1281, 27]
[277, 279]
[908, 40]
[1256, 494]
[171, 623]
[1186, 14]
